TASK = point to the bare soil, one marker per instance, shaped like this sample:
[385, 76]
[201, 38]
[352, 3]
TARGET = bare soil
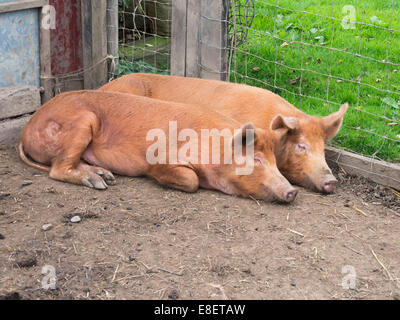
[138, 240]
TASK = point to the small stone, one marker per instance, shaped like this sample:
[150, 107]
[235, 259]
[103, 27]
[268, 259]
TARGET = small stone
[293, 284]
[76, 219]
[1, 237]
[174, 295]
[47, 227]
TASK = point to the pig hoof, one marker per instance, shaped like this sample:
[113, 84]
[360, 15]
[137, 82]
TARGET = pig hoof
[107, 176]
[94, 181]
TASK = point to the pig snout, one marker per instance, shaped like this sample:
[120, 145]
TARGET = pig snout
[290, 195]
[328, 186]
[282, 190]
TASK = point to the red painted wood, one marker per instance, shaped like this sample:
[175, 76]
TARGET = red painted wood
[66, 38]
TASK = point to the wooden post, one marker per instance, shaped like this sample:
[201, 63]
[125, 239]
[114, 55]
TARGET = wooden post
[199, 39]
[213, 39]
[112, 36]
[46, 81]
[178, 37]
[94, 25]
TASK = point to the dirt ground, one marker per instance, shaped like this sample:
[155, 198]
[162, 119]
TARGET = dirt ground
[138, 240]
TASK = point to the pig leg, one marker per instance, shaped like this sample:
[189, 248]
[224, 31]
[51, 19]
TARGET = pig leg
[67, 165]
[178, 177]
[83, 174]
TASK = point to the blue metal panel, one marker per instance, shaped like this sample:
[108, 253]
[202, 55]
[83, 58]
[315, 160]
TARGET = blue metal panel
[19, 48]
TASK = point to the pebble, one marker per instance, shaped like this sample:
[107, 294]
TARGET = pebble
[76, 219]
[293, 284]
[47, 226]
[174, 295]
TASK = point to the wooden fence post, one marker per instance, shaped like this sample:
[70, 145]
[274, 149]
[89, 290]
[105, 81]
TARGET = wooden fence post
[178, 37]
[199, 39]
[94, 25]
[46, 81]
[112, 36]
[214, 39]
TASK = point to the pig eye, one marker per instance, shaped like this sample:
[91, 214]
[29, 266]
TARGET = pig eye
[302, 148]
[258, 161]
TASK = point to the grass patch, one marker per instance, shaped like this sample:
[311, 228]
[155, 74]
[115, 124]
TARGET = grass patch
[148, 55]
[372, 125]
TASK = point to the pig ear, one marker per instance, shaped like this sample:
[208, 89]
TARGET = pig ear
[332, 123]
[280, 122]
[240, 137]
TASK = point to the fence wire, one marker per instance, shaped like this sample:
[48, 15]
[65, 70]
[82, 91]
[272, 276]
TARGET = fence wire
[144, 30]
[315, 55]
[319, 57]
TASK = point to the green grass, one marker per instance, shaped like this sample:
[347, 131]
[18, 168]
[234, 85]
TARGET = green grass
[127, 67]
[148, 55]
[372, 125]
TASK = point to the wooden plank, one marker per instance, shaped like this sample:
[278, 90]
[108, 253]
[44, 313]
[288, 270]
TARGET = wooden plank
[46, 81]
[178, 37]
[66, 45]
[213, 38]
[192, 41]
[21, 5]
[381, 172]
[18, 100]
[86, 12]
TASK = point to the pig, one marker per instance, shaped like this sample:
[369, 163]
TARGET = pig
[84, 137]
[300, 142]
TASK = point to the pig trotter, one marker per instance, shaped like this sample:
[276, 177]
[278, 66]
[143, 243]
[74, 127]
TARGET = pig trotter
[93, 180]
[104, 174]
[107, 176]
[84, 174]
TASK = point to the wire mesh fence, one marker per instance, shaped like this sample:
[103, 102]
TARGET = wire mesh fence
[318, 55]
[144, 31]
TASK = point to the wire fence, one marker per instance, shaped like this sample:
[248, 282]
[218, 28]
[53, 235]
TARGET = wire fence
[320, 56]
[315, 55]
[144, 30]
